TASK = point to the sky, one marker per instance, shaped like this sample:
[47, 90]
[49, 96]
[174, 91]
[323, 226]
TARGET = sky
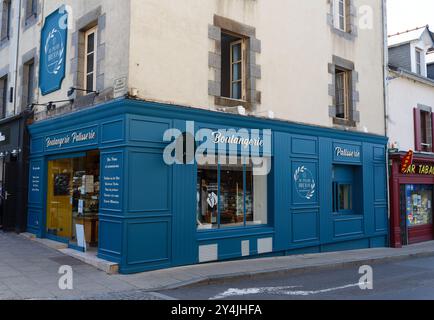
[408, 14]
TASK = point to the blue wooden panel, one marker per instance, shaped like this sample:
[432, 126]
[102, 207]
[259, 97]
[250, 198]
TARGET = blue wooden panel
[346, 245]
[35, 182]
[147, 129]
[306, 146]
[280, 198]
[110, 237]
[380, 187]
[379, 154]
[379, 242]
[381, 221]
[305, 226]
[345, 227]
[36, 146]
[149, 186]
[112, 131]
[148, 242]
[112, 181]
[33, 218]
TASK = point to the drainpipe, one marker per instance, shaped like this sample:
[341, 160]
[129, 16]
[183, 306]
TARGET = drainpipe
[17, 57]
[386, 109]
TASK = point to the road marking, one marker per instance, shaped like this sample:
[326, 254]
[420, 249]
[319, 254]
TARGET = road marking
[288, 291]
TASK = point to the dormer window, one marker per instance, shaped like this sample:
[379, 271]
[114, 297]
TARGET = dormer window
[419, 61]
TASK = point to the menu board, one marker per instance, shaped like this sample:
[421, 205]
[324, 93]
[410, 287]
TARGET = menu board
[111, 182]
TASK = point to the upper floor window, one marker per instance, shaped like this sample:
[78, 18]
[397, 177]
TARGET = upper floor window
[233, 67]
[28, 93]
[423, 125]
[31, 8]
[341, 13]
[343, 93]
[3, 96]
[90, 59]
[419, 61]
[5, 20]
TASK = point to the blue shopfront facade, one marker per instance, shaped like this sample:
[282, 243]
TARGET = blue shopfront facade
[326, 190]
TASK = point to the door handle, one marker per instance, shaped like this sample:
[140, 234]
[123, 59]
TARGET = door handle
[7, 194]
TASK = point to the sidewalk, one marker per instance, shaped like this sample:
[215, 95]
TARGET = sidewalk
[29, 270]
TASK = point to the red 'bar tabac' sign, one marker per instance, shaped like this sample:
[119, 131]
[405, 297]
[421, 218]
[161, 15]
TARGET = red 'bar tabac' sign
[407, 166]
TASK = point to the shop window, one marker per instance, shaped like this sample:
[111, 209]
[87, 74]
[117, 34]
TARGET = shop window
[233, 67]
[418, 199]
[346, 191]
[423, 127]
[231, 195]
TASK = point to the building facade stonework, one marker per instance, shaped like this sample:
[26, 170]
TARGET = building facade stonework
[115, 84]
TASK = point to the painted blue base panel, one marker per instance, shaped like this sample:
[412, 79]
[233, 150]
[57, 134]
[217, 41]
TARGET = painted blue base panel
[148, 219]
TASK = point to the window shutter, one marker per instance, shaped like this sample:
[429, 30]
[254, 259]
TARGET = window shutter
[417, 130]
[432, 131]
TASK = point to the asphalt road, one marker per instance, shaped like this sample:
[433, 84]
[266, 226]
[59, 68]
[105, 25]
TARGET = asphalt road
[404, 280]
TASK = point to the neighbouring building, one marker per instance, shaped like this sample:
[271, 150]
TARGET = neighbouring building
[18, 83]
[128, 93]
[410, 129]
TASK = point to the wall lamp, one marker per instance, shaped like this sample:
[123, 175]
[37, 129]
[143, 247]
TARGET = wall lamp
[50, 105]
[72, 90]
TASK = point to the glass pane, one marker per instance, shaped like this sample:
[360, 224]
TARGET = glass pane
[236, 90]
[419, 204]
[91, 43]
[59, 204]
[345, 197]
[90, 63]
[207, 197]
[256, 196]
[236, 52]
[236, 71]
[231, 196]
[89, 82]
[31, 89]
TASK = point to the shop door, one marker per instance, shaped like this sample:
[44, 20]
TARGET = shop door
[73, 200]
[9, 195]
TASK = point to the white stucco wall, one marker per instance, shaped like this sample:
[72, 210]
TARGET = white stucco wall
[170, 45]
[405, 95]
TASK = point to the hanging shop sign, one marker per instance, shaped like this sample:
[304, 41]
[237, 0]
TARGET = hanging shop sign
[53, 51]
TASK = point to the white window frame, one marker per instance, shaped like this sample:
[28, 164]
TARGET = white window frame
[346, 92]
[419, 65]
[93, 30]
[242, 42]
[338, 15]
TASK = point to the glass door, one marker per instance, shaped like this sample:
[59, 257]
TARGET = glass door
[73, 200]
[59, 204]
